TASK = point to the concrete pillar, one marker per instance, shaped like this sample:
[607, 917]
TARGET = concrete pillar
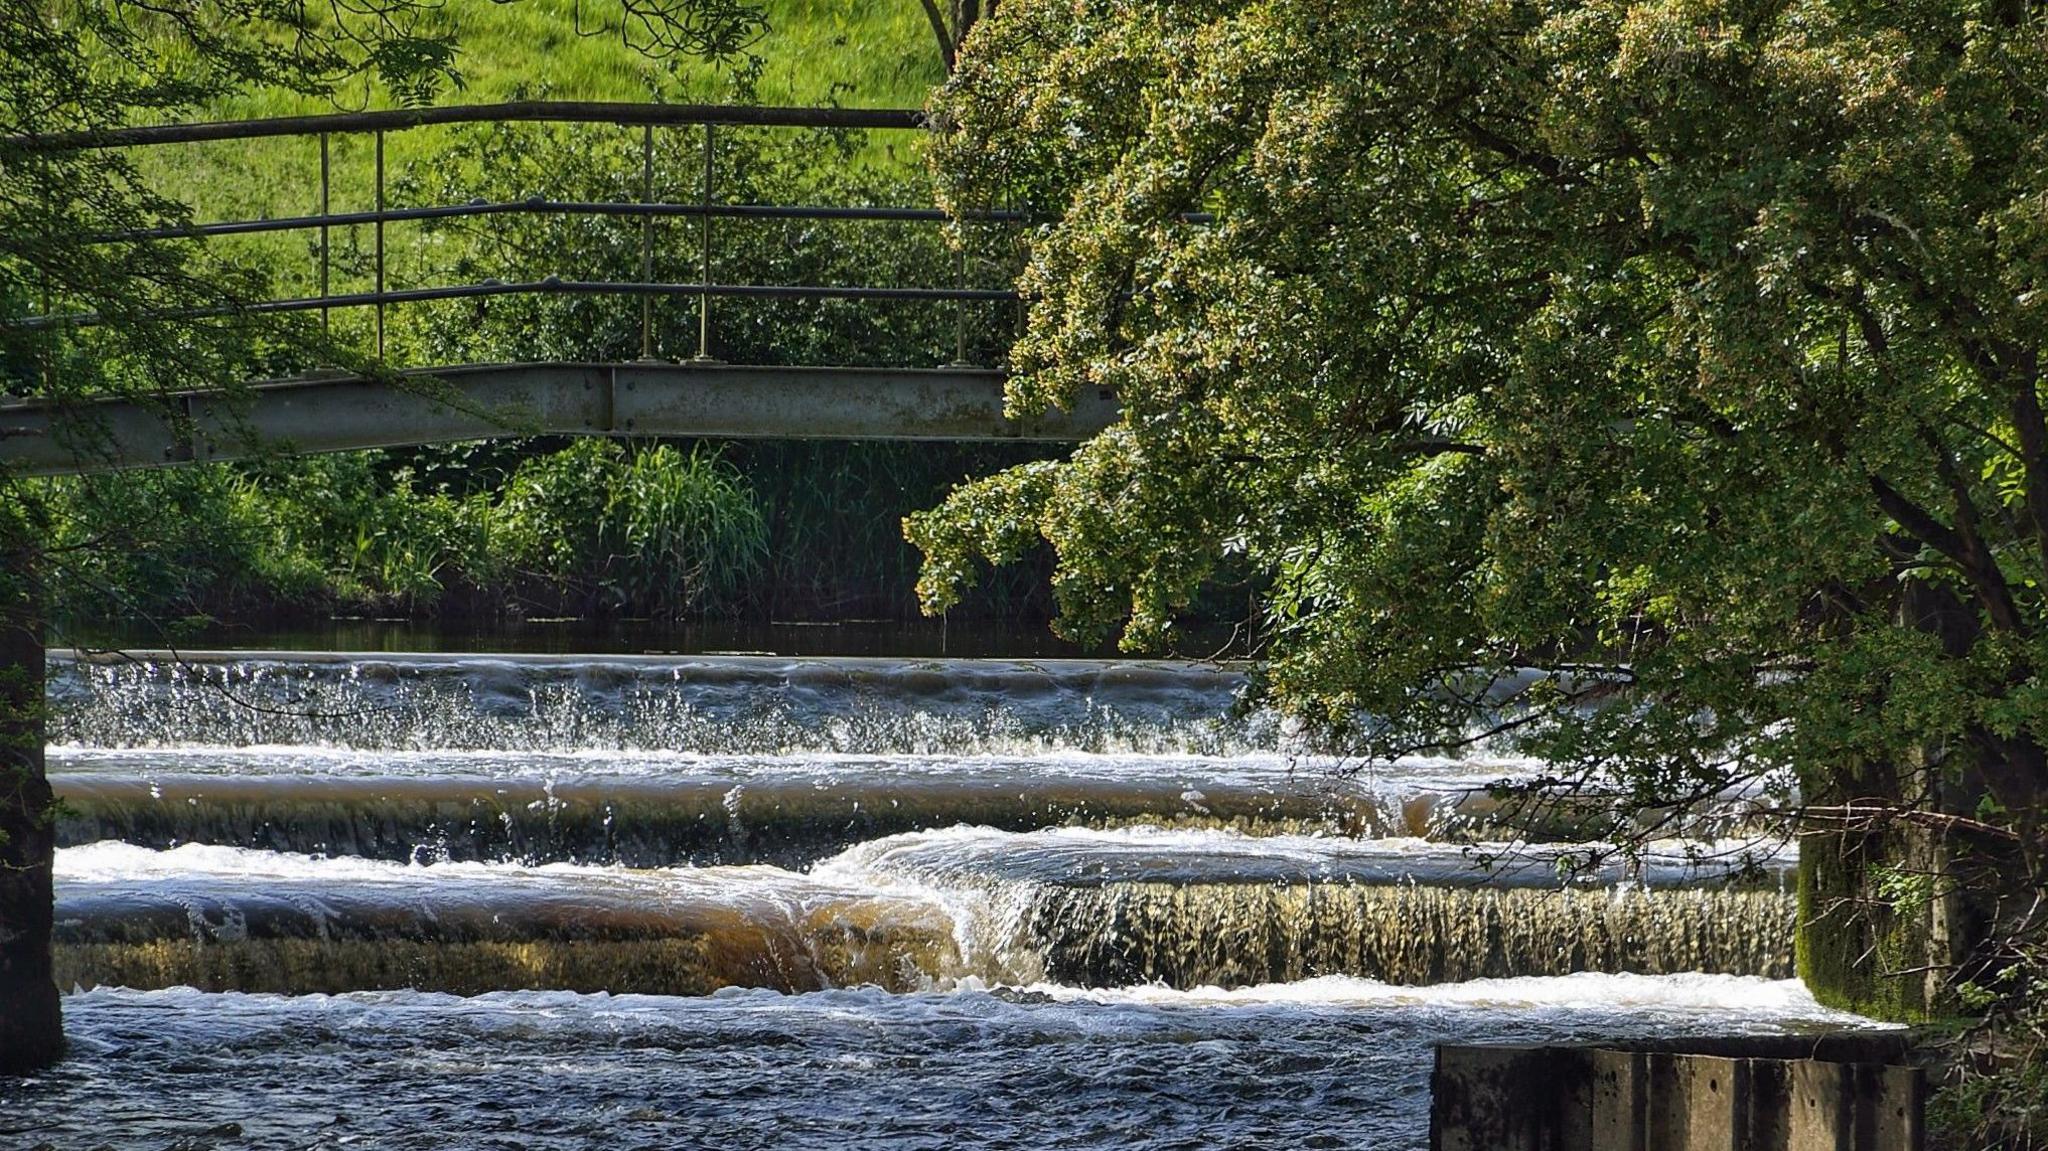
[1699, 1103]
[1620, 1095]
[31, 1030]
[1820, 1113]
[1892, 1109]
[1571, 1098]
[1750, 1098]
[1770, 1104]
[1508, 1099]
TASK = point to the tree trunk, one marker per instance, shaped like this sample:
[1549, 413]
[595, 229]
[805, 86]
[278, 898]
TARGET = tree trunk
[1885, 923]
[1894, 912]
[31, 1031]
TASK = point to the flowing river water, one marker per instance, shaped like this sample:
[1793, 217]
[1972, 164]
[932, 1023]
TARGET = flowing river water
[310, 900]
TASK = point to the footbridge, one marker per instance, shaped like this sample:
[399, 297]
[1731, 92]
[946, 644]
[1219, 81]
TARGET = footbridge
[384, 403]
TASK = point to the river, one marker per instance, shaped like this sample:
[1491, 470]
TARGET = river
[320, 900]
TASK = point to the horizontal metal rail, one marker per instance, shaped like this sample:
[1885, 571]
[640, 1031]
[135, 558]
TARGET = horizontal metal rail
[515, 111]
[584, 208]
[550, 286]
[555, 207]
[478, 401]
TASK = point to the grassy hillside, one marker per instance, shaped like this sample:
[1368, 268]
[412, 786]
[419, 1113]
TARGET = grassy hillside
[870, 53]
[877, 53]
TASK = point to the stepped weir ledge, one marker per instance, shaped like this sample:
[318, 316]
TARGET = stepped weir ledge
[693, 868]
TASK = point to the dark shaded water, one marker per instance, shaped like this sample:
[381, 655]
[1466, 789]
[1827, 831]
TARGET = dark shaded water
[1330, 1064]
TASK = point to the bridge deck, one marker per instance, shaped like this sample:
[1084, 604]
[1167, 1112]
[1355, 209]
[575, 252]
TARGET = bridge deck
[480, 401]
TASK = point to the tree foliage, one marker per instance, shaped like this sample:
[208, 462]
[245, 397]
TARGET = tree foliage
[1687, 352]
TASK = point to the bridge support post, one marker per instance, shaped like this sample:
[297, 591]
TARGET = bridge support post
[647, 242]
[704, 271]
[31, 1026]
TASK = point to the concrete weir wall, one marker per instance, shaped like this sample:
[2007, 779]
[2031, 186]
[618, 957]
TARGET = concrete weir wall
[1765, 1093]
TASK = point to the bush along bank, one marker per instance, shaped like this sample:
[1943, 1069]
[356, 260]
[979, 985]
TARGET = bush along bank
[519, 529]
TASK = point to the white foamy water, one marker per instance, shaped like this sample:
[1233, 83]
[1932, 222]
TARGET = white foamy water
[902, 865]
[714, 705]
[1774, 1003]
[1079, 856]
[1418, 773]
[220, 890]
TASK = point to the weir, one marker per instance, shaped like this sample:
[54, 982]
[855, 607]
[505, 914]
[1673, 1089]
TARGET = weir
[1015, 867]
[1243, 935]
[657, 822]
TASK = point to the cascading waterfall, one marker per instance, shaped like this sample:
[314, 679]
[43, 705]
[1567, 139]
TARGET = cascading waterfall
[235, 920]
[744, 705]
[971, 866]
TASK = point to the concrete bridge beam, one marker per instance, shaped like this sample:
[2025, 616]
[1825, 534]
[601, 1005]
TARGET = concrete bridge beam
[483, 401]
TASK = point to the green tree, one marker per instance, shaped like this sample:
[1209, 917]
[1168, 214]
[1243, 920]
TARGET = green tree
[1681, 356]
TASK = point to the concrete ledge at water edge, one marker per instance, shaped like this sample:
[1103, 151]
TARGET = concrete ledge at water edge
[1843, 1092]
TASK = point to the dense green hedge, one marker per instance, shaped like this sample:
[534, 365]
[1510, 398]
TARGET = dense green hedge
[512, 529]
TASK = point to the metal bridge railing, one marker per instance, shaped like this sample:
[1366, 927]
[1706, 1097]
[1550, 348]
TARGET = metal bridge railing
[649, 117]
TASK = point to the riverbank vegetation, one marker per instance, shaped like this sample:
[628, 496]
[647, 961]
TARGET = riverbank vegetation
[435, 534]
[478, 535]
[1683, 356]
